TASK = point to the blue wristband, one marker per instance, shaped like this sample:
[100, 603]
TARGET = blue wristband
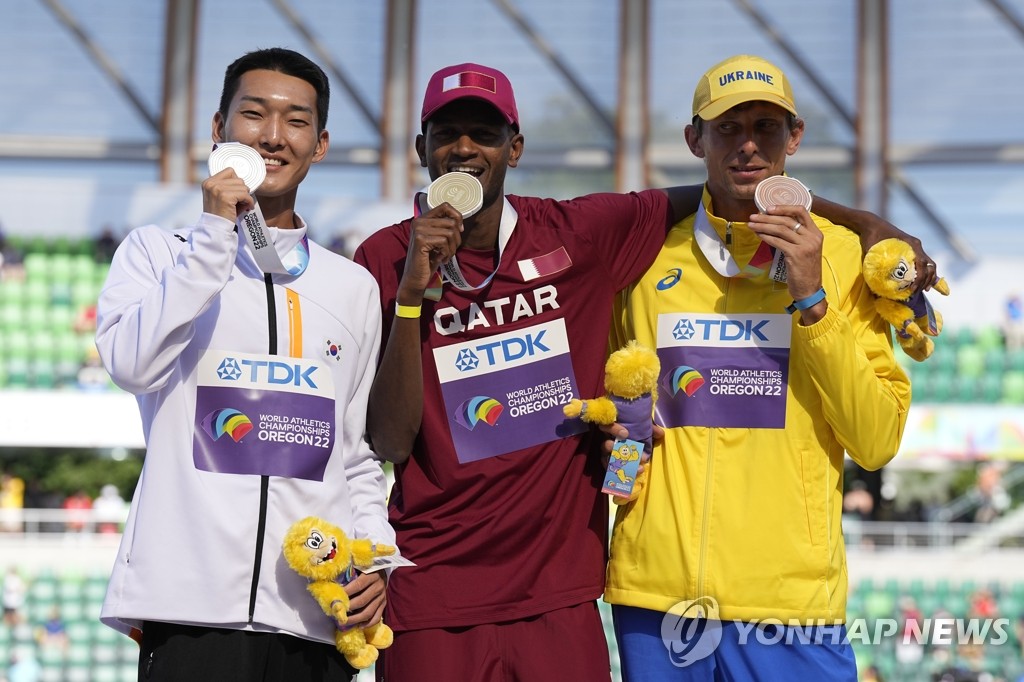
[805, 303]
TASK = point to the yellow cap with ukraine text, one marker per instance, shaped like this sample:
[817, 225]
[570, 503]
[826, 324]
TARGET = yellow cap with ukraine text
[739, 79]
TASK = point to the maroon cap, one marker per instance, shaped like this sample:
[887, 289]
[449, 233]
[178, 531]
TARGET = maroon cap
[470, 80]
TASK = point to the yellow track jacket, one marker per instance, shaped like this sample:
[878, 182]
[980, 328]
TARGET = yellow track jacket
[744, 501]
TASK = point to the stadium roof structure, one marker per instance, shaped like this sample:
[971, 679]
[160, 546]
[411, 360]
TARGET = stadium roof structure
[912, 106]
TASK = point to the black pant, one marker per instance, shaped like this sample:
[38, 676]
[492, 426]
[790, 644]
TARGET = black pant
[187, 653]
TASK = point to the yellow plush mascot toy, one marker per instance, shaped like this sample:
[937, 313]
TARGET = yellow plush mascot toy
[631, 383]
[321, 552]
[889, 271]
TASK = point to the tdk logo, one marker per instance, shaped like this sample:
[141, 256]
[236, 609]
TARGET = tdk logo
[467, 360]
[267, 371]
[683, 331]
[505, 350]
[720, 330]
[229, 370]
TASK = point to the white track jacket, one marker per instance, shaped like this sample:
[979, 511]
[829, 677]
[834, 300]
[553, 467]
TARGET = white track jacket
[253, 393]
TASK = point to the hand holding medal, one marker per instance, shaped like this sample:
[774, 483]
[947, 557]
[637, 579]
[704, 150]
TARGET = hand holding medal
[465, 194]
[250, 167]
[781, 190]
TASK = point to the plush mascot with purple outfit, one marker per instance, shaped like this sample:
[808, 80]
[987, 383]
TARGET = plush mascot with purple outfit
[631, 380]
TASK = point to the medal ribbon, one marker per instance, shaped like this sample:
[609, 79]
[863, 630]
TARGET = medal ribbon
[451, 271]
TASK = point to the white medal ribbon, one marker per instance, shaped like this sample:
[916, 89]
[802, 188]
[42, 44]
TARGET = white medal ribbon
[712, 247]
[250, 167]
[450, 270]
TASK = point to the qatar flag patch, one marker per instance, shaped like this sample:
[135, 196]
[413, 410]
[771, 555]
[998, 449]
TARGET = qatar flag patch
[542, 266]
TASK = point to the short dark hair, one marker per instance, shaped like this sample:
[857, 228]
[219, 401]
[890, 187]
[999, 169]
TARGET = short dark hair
[285, 61]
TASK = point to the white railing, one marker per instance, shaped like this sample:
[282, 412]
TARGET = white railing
[37, 522]
[928, 535]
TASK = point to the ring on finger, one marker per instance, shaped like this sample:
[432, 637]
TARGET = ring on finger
[796, 228]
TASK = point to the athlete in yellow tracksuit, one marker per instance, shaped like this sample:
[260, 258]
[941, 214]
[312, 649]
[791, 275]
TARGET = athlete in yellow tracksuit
[744, 495]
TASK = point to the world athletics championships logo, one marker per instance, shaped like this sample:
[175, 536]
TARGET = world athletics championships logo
[227, 420]
[479, 409]
[683, 378]
[691, 631]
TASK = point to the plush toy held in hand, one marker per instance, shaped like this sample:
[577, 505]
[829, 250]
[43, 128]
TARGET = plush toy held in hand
[889, 270]
[631, 382]
[321, 552]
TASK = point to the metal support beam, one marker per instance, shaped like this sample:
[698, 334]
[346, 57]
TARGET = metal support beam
[396, 176]
[327, 61]
[104, 62]
[786, 46]
[1008, 16]
[631, 125]
[545, 49]
[873, 105]
[178, 92]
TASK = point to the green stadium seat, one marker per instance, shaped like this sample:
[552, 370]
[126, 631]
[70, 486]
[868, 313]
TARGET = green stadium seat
[102, 269]
[52, 673]
[37, 266]
[130, 669]
[42, 345]
[940, 388]
[989, 337]
[943, 358]
[38, 611]
[879, 604]
[78, 672]
[37, 293]
[37, 318]
[959, 337]
[83, 268]
[61, 318]
[17, 242]
[970, 360]
[84, 293]
[42, 373]
[16, 344]
[1013, 387]
[60, 245]
[16, 372]
[1015, 360]
[995, 359]
[50, 656]
[61, 271]
[80, 634]
[991, 387]
[966, 389]
[106, 671]
[12, 315]
[106, 654]
[38, 244]
[95, 589]
[12, 290]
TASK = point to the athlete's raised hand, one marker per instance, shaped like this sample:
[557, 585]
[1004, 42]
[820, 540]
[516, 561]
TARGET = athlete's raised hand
[226, 195]
[434, 239]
